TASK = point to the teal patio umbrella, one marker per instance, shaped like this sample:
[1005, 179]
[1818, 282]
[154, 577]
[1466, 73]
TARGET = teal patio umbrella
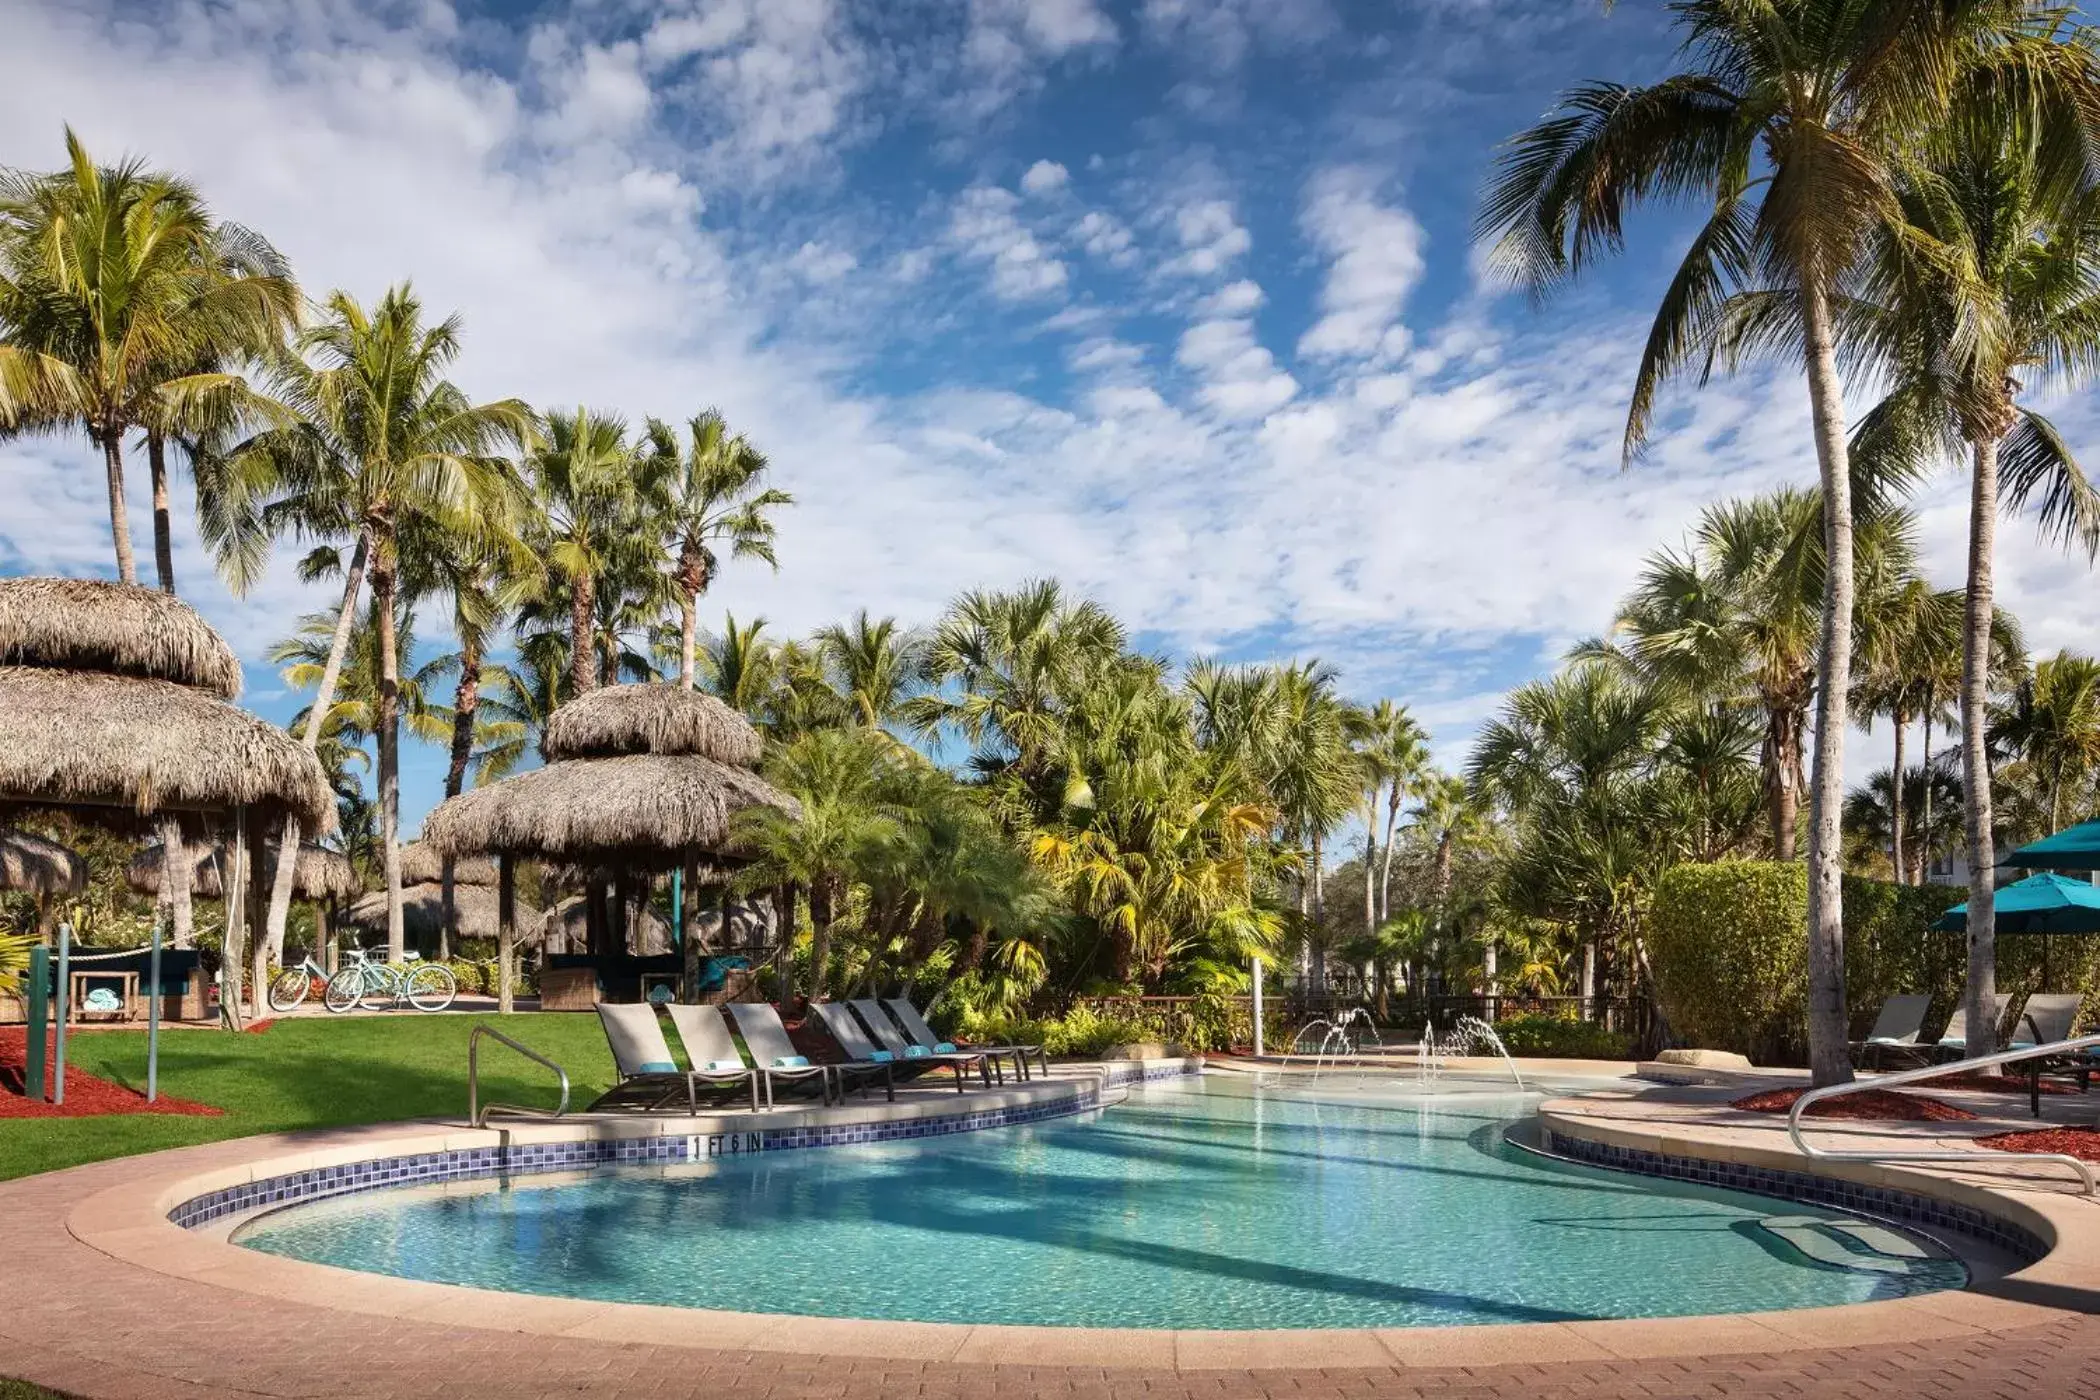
[2043, 904]
[2073, 848]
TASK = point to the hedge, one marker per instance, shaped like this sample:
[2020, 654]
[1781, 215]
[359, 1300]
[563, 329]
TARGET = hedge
[1729, 945]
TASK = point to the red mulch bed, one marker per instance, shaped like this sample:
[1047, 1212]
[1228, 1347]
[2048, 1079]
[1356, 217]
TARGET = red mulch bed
[1866, 1104]
[86, 1096]
[2076, 1142]
[1986, 1082]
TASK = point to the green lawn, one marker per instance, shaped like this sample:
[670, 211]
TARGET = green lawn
[306, 1073]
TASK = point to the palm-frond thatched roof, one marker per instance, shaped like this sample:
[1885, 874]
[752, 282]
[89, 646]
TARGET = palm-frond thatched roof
[80, 738]
[31, 862]
[77, 624]
[320, 873]
[423, 911]
[642, 811]
[650, 718]
[420, 865]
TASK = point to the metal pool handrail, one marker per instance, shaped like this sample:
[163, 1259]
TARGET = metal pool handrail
[1918, 1076]
[478, 1112]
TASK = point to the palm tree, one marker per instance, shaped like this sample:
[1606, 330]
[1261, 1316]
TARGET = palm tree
[1788, 127]
[712, 498]
[585, 479]
[1312, 776]
[1903, 639]
[874, 664]
[381, 443]
[1394, 751]
[741, 667]
[2051, 722]
[120, 298]
[2014, 217]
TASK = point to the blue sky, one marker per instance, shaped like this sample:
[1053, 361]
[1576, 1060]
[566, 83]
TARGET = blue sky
[1173, 300]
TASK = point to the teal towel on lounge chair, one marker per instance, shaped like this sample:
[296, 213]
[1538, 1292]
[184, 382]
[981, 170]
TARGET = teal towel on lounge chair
[916, 1052]
[657, 1067]
[945, 1047]
[725, 1066]
[881, 1057]
[791, 1062]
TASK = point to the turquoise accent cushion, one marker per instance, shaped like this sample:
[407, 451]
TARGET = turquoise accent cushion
[657, 1067]
[791, 1062]
[944, 1048]
[916, 1052]
[881, 1057]
[724, 1066]
[102, 999]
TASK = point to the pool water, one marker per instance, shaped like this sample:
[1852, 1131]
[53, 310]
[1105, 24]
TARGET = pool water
[1203, 1203]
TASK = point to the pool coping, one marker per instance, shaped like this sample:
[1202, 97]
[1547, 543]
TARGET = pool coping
[130, 1222]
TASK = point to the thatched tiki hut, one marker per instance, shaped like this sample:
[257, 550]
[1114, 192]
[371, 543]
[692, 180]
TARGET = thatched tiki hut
[41, 868]
[639, 778]
[322, 877]
[476, 912]
[114, 701]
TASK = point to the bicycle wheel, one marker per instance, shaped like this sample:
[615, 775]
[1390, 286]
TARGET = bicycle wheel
[343, 990]
[289, 988]
[382, 988]
[431, 988]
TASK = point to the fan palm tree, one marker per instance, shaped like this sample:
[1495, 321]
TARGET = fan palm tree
[380, 443]
[1787, 129]
[713, 498]
[120, 301]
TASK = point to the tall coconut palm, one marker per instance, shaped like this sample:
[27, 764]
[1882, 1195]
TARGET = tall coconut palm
[584, 478]
[713, 499]
[2015, 222]
[381, 442]
[1786, 129]
[121, 299]
[1902, 640]
[1312, 776]
[741, 667]
[1394, 751]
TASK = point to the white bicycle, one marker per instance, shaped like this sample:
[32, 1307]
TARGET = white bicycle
[377, 985]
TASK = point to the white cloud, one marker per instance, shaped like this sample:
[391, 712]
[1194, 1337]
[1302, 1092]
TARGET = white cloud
[1375, 254]
[1009, 43]
[1217, 34]
[1105, 237]
[1240, 378]
[1045, 177]
[985, 228]
[1233, 299]
[1211, 238]
[814, 262]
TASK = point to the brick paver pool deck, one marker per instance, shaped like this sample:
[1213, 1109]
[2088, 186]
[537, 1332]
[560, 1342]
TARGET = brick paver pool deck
[148, 1310]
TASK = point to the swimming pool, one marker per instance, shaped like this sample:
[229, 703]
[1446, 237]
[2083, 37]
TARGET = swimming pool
[1202, 1203]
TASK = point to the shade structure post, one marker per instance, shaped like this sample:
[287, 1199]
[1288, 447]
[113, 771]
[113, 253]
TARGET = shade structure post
[257, 901]
[33, 1073]
[153, 1016]
[235, 884]
[65, 1002]
[506, 930]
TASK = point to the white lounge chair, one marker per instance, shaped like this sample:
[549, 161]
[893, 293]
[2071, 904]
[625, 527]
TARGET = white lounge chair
[776, 1055]
[914, 1025]
[891, 1038]
[650, 1080]
[1896, 1029]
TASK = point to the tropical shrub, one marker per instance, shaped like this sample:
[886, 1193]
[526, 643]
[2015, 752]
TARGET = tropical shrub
[1563, 1037]
[1729, 944]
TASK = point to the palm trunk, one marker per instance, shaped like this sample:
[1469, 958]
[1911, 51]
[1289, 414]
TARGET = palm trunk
[466, 705]
[1781, 761]
[1896, 803]
[1370, 887]
[689, 924]
[163, 541]
[1975, 761]
[506, 933]
[119, 516]
[1923, 857]
[175, 874]
[583, 609]
[820, 935]
[324, 698]
[1828, 1053]
[1385, 862]
[688, 639]
[389, 727]
[260, 947]
[1318, 968]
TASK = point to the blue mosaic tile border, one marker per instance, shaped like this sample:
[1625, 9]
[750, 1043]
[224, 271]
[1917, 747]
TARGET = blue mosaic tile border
[469, 1163]
[1907, 1207]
